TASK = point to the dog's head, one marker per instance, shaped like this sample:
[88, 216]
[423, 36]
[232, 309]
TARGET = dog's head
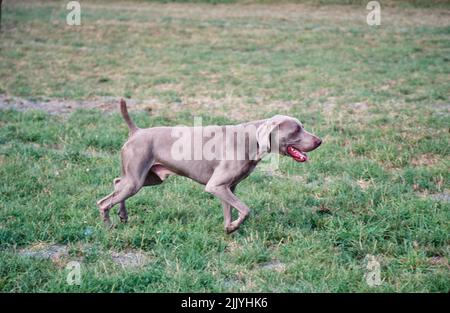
[286, 135]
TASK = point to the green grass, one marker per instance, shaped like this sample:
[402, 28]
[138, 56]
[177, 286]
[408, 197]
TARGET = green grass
[377, 96]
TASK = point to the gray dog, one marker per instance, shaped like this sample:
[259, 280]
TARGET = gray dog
[152, 154]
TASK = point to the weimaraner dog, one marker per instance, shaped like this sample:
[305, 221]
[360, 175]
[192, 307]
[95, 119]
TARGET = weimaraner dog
[152, 154]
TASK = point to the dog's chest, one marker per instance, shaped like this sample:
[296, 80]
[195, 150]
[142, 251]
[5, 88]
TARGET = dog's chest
[247, 169]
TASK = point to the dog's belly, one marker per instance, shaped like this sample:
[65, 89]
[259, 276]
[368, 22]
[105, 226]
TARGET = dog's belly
[199, 171]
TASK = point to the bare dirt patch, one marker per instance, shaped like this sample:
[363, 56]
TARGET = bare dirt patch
[130, 259]
[232, 107]
[364, 184]
[274, 265]
[445, 196]
[425, 159]
[233, 247]
[61, 107]
[439, 261]
[359, 106]
[59, 255]
[290, 12]
[45, 251]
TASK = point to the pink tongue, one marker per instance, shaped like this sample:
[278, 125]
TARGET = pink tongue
[297, 155]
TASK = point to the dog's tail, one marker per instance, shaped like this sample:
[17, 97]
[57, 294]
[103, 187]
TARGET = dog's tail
[123, 109]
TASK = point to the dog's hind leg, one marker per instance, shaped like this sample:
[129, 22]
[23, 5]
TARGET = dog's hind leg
[124, 189]
[151, 180]
[122, 212]
[131, 181]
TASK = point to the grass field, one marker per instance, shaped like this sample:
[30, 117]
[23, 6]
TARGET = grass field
[379, 184]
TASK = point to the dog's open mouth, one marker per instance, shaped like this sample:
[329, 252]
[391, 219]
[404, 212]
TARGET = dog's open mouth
[297, 155]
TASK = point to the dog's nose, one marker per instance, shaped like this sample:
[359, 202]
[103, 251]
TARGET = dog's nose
[318, 142]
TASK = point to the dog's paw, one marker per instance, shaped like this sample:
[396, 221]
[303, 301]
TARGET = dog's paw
[230, 229]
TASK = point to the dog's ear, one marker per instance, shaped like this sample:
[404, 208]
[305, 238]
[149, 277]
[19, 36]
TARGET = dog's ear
[263, 134]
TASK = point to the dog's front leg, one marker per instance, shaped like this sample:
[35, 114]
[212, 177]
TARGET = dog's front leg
[227, 211]
[224, 193]
[226, 214]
